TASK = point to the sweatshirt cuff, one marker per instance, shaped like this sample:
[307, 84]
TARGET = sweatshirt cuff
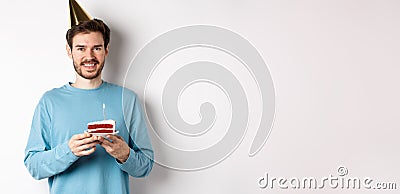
[63, 152]
[128, 160]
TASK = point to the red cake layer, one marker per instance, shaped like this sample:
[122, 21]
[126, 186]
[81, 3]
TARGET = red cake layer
[103, 131]
[96, 126]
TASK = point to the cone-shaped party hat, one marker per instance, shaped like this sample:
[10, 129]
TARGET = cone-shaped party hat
[77, 13]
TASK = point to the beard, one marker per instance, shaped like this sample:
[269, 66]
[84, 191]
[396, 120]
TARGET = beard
[98, 70]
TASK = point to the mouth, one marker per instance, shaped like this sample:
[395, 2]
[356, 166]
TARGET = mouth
[90, 65]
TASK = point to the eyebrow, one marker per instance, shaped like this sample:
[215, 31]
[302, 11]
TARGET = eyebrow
[98, 45]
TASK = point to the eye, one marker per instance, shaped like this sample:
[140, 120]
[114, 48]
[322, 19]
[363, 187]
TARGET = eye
[80, 49]
[97, 49]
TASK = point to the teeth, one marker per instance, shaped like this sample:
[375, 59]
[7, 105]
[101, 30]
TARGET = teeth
[89, 65]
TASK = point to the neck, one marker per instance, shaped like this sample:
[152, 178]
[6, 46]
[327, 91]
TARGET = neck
[83, 83]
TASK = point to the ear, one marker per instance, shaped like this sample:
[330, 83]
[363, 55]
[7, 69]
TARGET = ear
[108, 46]
[69, 51]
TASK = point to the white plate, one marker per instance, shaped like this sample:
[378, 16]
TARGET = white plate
[102, 134]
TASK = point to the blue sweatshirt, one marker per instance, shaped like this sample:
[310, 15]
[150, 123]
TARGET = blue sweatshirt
[64, 112]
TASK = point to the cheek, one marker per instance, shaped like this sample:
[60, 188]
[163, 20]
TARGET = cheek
[100, 56]
[77, 56]
[76, 59]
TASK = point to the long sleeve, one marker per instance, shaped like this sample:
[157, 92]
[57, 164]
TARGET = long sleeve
[141, 157]
[41, 160]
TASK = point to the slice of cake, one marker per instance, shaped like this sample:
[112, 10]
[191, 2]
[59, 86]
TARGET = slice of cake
[105, 126]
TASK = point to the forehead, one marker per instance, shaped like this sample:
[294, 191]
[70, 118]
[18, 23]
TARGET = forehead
[88, 39]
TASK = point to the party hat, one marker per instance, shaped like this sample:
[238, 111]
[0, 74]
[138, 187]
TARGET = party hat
[77, 13]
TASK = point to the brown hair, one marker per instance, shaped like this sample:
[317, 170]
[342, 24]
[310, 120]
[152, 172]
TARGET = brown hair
[94, 25]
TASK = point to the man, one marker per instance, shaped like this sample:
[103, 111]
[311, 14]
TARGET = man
[58, 148]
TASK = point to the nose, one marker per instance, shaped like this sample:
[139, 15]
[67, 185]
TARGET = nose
[89, 54]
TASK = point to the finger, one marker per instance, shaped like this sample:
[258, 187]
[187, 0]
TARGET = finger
[98, 137]
[115, 137]
[119, 137]
[105, 142]
[110, 137]
[81, 136]
[87, 151]
[107, 147]
[86, 141]
[86, 146]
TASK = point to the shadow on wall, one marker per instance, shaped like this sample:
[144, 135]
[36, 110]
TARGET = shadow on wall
[146, 185]
[112, 69]
[158, 175]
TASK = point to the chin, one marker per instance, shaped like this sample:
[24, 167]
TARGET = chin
[89, 76]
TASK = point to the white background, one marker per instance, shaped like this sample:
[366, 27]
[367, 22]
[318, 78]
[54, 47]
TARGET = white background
[335, 66]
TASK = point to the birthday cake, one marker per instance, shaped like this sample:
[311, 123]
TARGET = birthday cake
[104, 126]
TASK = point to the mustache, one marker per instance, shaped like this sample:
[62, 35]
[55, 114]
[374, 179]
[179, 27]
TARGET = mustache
[95, 61]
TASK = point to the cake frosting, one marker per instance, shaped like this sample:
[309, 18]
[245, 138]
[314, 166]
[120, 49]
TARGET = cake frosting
[104, 126]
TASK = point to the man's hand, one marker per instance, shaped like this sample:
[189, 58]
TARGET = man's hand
[117, 148]
[83, 144]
